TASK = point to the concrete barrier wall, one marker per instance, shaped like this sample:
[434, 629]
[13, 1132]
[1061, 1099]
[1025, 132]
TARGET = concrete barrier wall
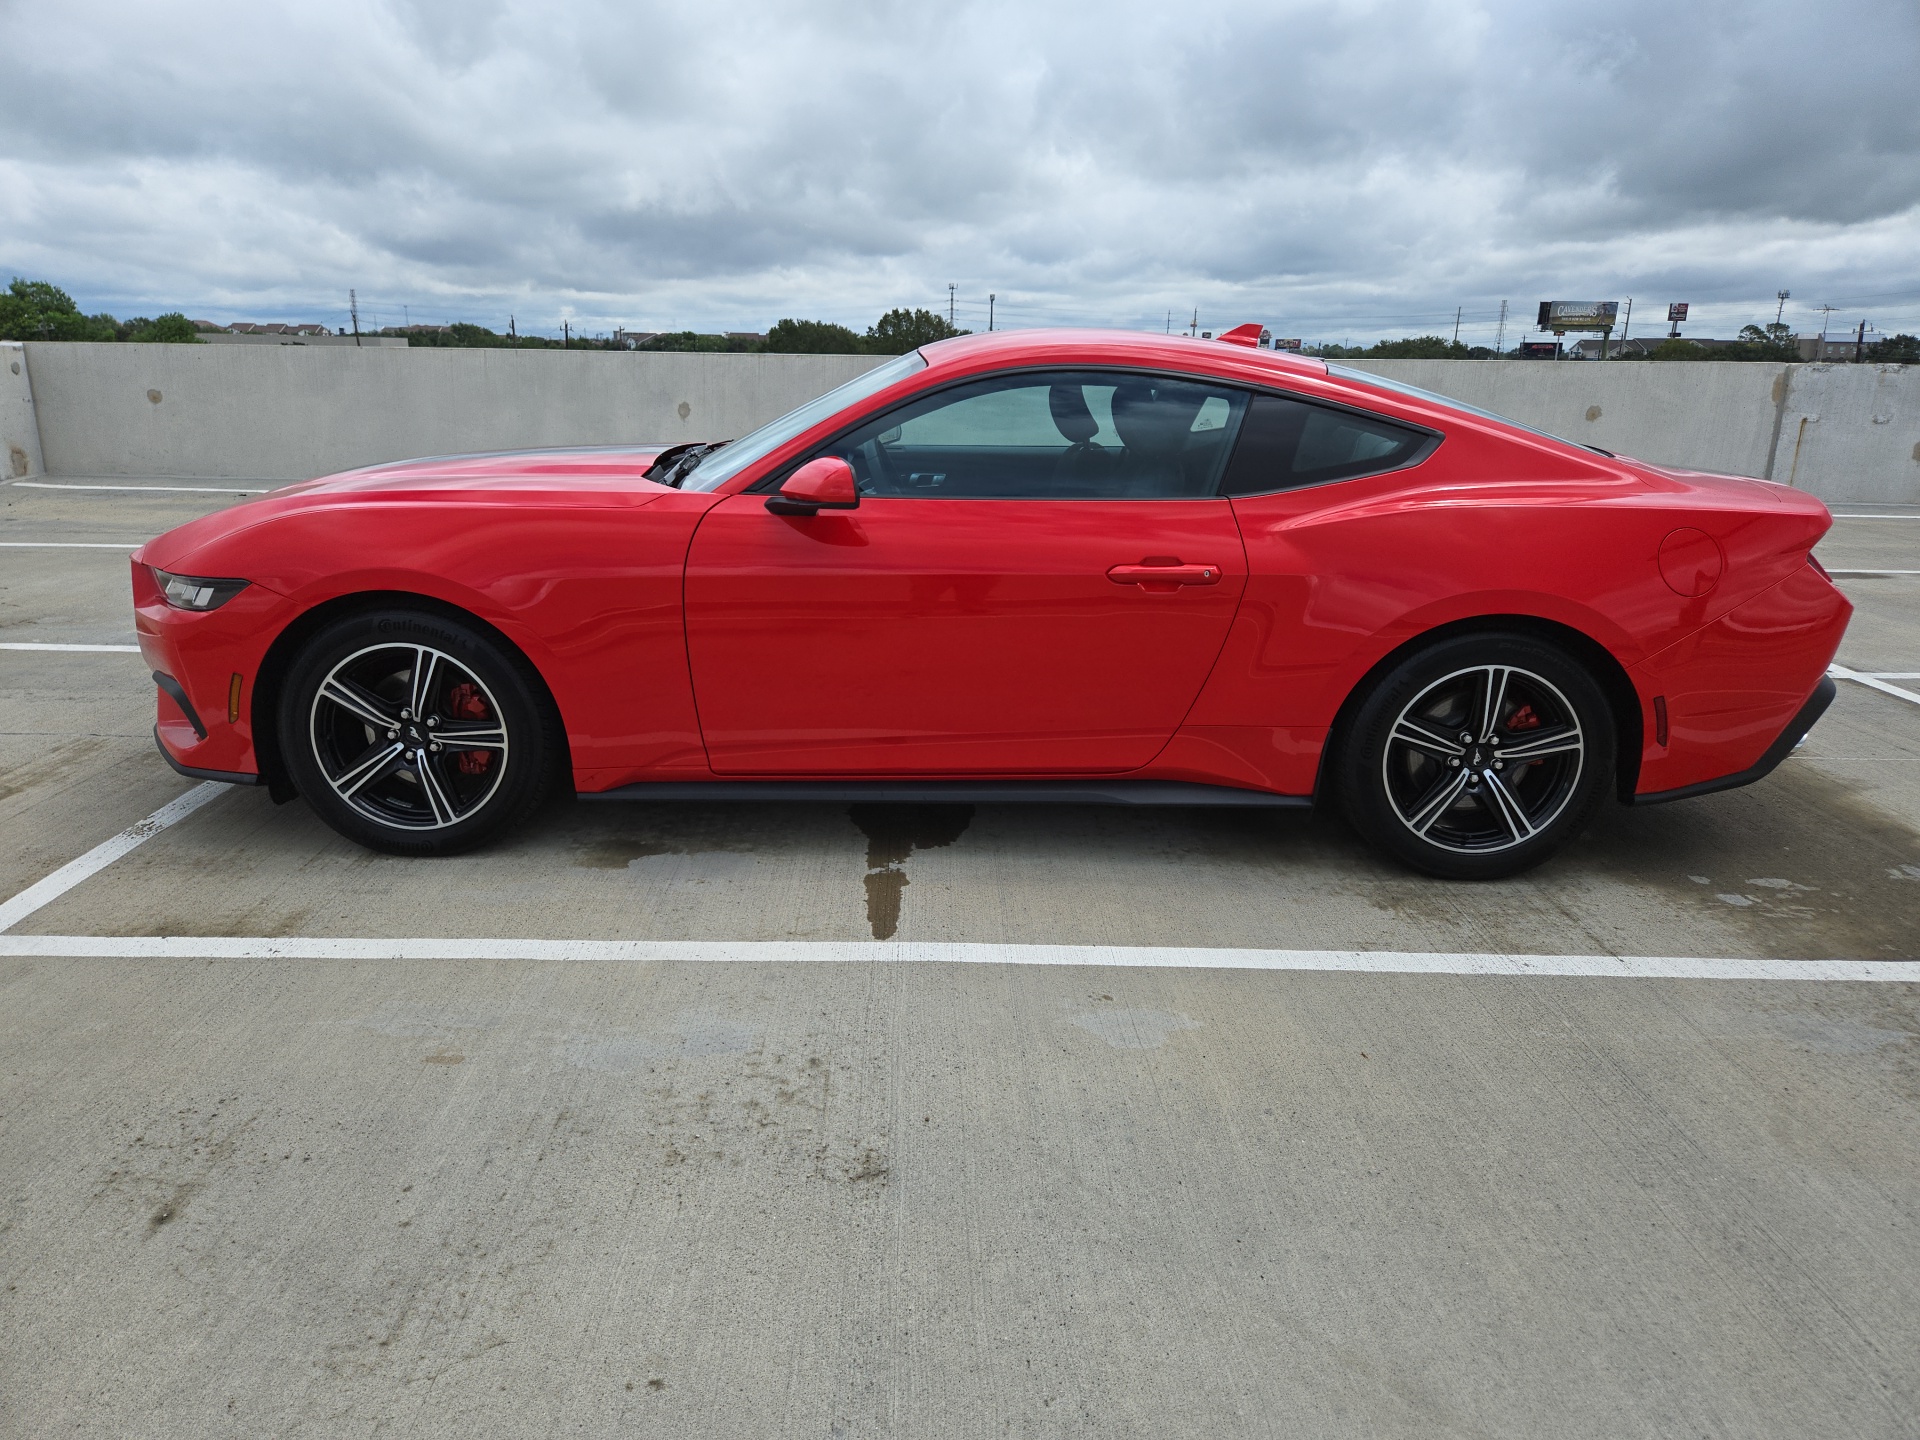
[19, 429]
[290, 412]
[1843, 432]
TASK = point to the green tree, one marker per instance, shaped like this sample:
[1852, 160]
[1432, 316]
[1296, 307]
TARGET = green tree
[1417, 347]
[35, 310]
[172, 328]
[1678, 350]
[812, 337]
[899, 331]
[1896, 350]
[1775, 342]
[692, 340]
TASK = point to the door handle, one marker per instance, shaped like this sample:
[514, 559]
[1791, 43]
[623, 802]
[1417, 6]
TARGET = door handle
[1155, 574]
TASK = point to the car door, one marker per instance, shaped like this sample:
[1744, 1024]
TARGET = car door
[1037, 579]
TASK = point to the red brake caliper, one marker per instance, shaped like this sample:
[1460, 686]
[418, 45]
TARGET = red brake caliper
[464, 703]
[1521, 719]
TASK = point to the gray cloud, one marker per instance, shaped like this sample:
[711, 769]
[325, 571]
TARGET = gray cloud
[1339, 170]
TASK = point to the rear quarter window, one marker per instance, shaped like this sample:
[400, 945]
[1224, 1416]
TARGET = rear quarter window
[1286, 444]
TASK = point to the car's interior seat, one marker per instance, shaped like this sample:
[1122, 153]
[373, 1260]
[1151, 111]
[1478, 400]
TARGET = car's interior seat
[1156, 427]
[1083, 466]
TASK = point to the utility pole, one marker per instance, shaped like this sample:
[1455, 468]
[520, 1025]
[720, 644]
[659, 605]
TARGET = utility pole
[1626, 326]
[353, 309]
[1500, 335]
[1456, 322]
[1169, 322]
[1196, 322]
[563, 335]
[1860, 344]
[515, 334]
[990, 299]
[1781, 308]
[950, 289]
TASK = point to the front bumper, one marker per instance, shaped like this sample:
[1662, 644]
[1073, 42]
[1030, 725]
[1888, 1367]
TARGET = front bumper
[204, 720]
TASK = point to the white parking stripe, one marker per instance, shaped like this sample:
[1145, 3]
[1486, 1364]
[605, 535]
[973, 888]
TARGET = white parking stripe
[46, 891]
[814, 952]
[156, 489]
[71, 544]
[38, 645]
[1872, 682]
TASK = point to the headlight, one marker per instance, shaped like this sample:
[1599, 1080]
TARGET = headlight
[191, 592]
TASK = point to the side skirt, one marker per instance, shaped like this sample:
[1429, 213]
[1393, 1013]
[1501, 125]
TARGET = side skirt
[1795, 732]
[938, 792]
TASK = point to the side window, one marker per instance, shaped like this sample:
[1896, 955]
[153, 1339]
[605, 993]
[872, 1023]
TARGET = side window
[1060, 435]
[1286, 444]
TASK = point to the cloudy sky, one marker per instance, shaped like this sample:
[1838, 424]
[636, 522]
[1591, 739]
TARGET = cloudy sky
[1337, 170]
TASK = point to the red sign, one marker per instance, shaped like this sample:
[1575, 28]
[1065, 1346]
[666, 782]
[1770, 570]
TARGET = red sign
[1676, 313]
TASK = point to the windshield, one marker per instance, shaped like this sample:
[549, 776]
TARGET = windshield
[1367, 377]
[722, 465]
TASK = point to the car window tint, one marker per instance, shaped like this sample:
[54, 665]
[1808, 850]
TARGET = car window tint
[1284, 444]
[1064, 435]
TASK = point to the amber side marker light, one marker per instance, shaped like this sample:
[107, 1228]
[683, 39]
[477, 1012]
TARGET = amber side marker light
[233, 699]
[1659, 718]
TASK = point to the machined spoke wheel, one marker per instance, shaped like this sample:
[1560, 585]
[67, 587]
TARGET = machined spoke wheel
[1477, 755]
[408, 737]
[1483, 759]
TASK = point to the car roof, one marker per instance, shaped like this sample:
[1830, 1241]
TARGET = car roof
[1117, 347]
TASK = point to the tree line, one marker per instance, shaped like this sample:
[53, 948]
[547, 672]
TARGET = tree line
[35, 310]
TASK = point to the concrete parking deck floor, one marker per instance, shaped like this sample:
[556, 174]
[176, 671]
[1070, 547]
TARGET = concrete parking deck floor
[257, 1195]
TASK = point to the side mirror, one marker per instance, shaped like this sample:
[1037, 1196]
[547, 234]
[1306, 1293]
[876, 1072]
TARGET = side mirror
[823, 484]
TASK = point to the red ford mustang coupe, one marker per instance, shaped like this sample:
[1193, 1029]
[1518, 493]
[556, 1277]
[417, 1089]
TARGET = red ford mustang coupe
[1043, 565]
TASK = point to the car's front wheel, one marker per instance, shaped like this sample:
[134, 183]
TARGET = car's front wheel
[1478, 757]
[415, 733]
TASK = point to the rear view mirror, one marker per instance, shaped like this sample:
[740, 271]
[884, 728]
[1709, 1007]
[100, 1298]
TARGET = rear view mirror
[823, 484]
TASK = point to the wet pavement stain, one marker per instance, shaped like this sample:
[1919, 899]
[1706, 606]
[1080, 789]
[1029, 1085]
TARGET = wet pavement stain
[893, 833]
[1803, 862]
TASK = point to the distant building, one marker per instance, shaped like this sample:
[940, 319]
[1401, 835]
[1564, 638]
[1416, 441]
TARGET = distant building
[1836, 345]
[244, 332]
[630, 339]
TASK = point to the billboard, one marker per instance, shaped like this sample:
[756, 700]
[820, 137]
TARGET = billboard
[1560, 316]
[1279, 344]
[1676, 313]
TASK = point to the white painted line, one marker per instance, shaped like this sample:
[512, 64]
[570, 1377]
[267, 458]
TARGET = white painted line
[34, 645]
[45, 892]
[1872, 682]
[1873, 572]
[156, 489]
[1838, 516]
[71, 544]
[792, 952]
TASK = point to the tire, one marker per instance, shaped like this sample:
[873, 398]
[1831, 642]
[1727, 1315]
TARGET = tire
[1428, 778]
[477, 764]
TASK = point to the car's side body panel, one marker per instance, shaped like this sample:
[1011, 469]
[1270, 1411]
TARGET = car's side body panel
[954, 637]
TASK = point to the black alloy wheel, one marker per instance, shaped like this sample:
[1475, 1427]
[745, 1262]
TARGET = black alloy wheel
[416, 734]
[1478, 757]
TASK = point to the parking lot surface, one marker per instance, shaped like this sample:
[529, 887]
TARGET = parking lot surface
[810, 1128]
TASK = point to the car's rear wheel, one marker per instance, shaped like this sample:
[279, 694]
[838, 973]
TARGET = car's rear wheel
[415, 733]
[1479, 756]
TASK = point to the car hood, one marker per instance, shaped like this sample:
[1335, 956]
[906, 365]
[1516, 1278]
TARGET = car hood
[596, 477]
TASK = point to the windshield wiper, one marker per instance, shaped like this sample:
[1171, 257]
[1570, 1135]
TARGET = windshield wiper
[673, 464]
